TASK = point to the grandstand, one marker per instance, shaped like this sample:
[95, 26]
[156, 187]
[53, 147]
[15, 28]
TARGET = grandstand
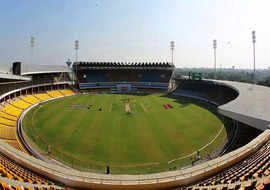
[210, 91]
[124, 77]
[244, 163]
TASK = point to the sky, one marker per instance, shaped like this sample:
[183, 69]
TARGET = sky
[136, 31]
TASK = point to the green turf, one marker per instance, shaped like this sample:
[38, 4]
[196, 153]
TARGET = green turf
[140, 142]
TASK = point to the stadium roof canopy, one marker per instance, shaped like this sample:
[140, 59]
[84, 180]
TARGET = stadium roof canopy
[36, 69]
[13, 77]
[27, 69]
[123, 65]
[252, 106]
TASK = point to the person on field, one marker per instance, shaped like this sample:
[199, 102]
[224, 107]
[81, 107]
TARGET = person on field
[107, 170]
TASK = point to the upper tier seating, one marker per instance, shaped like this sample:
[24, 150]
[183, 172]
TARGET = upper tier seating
[97, 76]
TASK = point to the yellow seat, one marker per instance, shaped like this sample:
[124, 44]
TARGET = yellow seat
[30, 99]
[12, 110]
[20, 104]
[5, 115]
[7, 132]
[7, 122]
[42, 96]
[67, 92]
[54, 93]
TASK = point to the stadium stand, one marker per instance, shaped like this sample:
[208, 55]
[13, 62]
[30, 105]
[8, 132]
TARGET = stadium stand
[7, 122]
[7, 132]
[66, 92]
[209, 91]
[18, 103]
[254, 166]
[92, 75]
[54, 93]
[13, 171]
[7, 116]
[250, 172]
[30, 99]
[245, 175]
[11, 110]
[42, 96]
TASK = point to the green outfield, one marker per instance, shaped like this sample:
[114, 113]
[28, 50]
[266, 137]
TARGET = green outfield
[130, 133]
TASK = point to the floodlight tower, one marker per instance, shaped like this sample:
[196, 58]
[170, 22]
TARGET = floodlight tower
[253, 42]
[172, 48]
[32, 45]
[76, 56]
[215, 58]
[76, 49]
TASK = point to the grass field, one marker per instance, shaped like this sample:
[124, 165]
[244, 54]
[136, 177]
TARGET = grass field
[130, 133]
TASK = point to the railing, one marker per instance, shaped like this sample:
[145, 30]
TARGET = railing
[68, 176]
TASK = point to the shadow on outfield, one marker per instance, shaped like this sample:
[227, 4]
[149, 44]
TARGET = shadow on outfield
[186, 101]
[227, 122]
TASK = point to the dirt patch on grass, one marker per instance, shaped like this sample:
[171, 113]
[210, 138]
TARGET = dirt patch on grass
[127, 108]
[144, 108]
[110, 108]
[79, 107]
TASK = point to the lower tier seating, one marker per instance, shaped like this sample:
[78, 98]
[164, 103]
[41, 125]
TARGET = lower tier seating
[12, 170]
[30, 99]
[8, 122]
[54, 93]
[42, 96]
[20, 103]
[254, 167]
[7, 132]
[11, 110]
[7, 116]
[66, 92]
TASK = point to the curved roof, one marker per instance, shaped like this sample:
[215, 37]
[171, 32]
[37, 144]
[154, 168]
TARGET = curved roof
[252, 106]
[36, 69]
[27, 69]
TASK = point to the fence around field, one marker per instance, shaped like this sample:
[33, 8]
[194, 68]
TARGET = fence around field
[99, 167]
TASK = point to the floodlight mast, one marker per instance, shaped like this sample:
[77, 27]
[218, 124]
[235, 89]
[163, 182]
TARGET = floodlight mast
[32, 45]
[76, 49]
[172, 48]
[253, 42]
[215, 58]
[76, 57]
